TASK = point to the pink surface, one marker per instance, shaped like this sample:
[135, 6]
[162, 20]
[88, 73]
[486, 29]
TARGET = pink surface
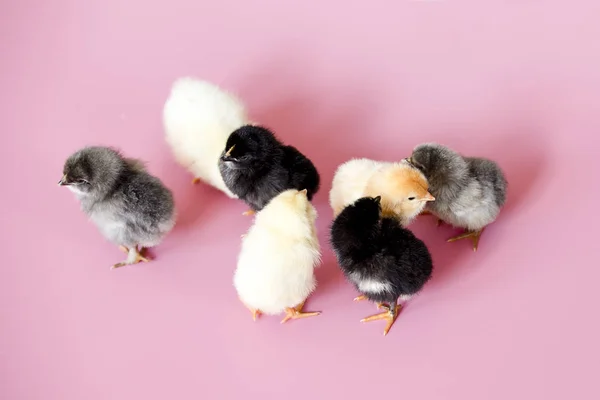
[515, 81]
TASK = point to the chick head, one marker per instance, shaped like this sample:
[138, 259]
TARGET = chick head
[437, 162]
[290, 211]
[249, 147]
[91, 170]
[366, 210]
[353, 228]
[404, 191]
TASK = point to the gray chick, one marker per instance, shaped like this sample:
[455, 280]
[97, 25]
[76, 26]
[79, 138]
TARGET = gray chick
[469, 192]
[129, 206]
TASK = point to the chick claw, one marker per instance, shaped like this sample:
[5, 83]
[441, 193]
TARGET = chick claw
[388, 315]
[138, 258]
[473, 235]
[296, 313]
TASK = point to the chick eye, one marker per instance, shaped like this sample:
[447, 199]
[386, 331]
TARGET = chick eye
[81, 181]
[411, 198]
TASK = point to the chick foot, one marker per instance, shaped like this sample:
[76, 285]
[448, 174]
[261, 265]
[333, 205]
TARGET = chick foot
[473, 235]
[255, 313]
[133, 256]
[195, 181]
[363, 297]
[390, 315]
[296, 313]
[248, 213]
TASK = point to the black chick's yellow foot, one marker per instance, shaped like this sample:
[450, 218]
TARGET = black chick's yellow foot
[473, 235]
[389, 315]
[363, 297]
[360, 298]
[297, 313]
[248, 213]
[139, 257]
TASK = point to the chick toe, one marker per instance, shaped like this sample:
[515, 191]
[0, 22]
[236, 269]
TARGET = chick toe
[297, 313]
[390, 315]
[133, 257]
[248, 213]
[473, 235]
[255, 313]
[363, 297]
[195, 181]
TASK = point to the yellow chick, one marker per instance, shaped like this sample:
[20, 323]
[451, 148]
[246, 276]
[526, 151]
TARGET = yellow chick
[403, 188]
[275, 270]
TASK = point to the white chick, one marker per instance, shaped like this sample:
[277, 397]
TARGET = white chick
[403, 188]
[198, 118]
[275, 269]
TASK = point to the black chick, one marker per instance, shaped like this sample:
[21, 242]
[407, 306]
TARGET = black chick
[256, 167]
[383, 260]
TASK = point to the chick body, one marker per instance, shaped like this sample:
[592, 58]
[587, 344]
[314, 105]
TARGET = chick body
[275, 269]
[129, 206]
[469, 192]
[198, 118]
[403, 189]
[256, 167]
[383, 260]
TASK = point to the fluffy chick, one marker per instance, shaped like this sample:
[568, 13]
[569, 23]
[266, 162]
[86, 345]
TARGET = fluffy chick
[275, 270]
[256, 167]
[129, 206]
[469, 191]
[403, 189]
[198, 118]
[383, 260]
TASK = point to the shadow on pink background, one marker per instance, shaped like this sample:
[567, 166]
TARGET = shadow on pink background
[515, 81]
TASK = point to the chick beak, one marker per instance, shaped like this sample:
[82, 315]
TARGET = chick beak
[303, 191]
[429, 197]
[228, 153]
[63, 181]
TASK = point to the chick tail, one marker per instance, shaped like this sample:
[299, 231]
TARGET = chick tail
[198, 118]
[297, 313]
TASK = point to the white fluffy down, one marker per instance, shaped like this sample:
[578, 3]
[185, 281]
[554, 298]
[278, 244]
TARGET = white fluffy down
[350, 181]
[198, 118]
[275, 267]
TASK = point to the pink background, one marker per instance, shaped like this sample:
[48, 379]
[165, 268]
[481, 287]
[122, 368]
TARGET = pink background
[517, 81]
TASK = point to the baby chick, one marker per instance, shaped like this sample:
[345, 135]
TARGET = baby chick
[403, 189]
[469, 191]
[198, 118]
[275, 270]
[129, 206]
[256, 167]
[383, 260]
